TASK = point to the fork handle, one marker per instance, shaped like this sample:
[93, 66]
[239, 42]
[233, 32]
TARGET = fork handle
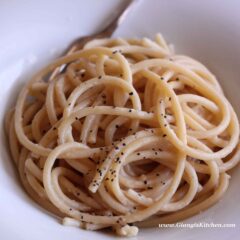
[106, 32]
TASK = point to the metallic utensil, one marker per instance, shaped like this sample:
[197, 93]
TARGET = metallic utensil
[106, 32]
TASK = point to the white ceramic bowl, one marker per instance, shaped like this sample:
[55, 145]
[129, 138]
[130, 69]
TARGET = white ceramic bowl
[32, 33]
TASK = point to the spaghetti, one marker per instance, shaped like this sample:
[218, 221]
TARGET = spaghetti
[129, 134]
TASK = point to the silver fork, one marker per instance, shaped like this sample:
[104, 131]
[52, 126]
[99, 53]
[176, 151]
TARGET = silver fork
[106, 32]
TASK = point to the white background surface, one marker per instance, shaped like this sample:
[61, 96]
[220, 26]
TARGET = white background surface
[34, 32]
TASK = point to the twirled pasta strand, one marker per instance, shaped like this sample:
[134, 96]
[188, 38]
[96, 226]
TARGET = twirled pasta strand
[128, 133]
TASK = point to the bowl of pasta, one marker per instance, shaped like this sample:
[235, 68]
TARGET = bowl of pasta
[134, 135]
